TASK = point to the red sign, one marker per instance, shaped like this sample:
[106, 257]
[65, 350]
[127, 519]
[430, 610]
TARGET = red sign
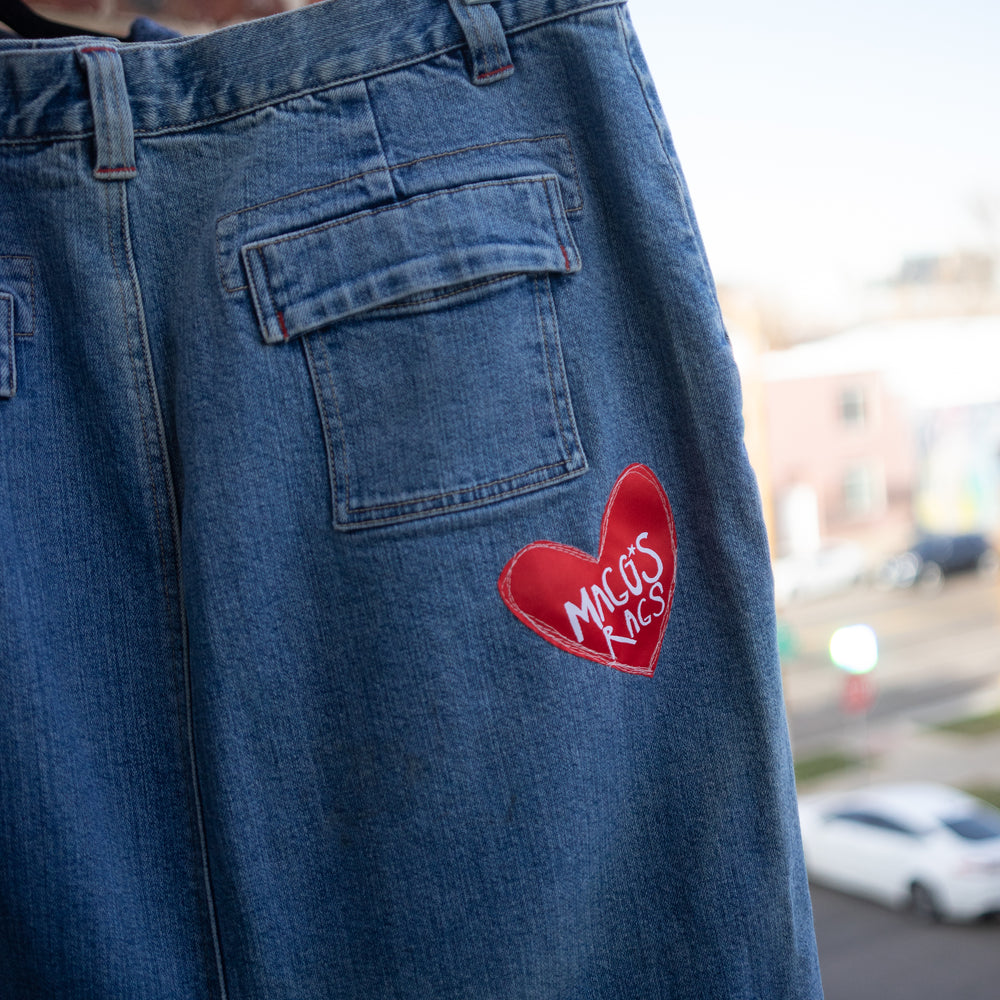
[859, 694]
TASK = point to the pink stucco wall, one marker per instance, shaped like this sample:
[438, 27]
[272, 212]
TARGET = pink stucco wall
[810, 443]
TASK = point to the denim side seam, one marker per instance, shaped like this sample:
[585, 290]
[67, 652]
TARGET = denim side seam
[152, 399]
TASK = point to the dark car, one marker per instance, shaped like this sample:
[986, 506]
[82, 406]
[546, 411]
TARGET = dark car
[932, 557]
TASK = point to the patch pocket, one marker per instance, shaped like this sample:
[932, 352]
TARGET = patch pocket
[430, 331]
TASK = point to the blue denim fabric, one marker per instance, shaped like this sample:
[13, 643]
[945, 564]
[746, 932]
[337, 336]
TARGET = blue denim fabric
[306, 327]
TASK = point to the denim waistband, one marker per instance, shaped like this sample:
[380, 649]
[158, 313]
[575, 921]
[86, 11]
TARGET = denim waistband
[178, 84]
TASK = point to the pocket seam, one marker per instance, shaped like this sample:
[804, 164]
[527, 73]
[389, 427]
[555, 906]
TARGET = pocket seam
[20, 269]
[548, 363]
[367, 516]
[477, 486]
[331, 460]
[299, 234]
[333, 301]
[401, 306]
[451, 493]
[559, 137]
[421, 515]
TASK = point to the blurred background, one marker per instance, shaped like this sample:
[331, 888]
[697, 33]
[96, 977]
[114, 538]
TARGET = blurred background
[844, 163]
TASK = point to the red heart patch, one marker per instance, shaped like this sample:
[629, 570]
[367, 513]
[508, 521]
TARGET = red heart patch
[612, 609]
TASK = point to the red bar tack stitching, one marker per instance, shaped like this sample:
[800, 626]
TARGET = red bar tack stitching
[494, 72]
[281, 323]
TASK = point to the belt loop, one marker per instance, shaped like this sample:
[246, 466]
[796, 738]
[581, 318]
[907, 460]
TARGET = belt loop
[485, 37]
[8, 374]
[114, 142]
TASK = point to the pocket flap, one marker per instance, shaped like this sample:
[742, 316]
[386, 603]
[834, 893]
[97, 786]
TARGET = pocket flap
[308, 279]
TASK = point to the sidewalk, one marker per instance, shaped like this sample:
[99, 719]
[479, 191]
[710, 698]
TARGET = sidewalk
[913, 750]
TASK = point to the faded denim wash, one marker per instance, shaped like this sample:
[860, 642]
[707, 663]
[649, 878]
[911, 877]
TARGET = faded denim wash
[307, 326]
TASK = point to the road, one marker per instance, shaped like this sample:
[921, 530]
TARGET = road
[867, 952]
[935, 649]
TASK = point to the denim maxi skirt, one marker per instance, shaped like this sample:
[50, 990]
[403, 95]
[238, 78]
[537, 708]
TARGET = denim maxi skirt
[385, 605]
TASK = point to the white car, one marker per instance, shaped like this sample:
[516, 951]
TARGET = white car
[929, 847]
[831, 568]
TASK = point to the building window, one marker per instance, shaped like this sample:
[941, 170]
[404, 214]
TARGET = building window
[863, 490]
[853, 406]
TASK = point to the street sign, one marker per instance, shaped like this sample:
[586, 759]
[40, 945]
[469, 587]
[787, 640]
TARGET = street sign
[858, 695]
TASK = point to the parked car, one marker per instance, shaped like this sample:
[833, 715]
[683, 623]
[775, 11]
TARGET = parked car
[834, 566]
[928, 847]
[934, 557]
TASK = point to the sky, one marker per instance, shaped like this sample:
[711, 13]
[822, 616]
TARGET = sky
[823, 142]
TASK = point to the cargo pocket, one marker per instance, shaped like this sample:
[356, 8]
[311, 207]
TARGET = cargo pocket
[431, 336]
